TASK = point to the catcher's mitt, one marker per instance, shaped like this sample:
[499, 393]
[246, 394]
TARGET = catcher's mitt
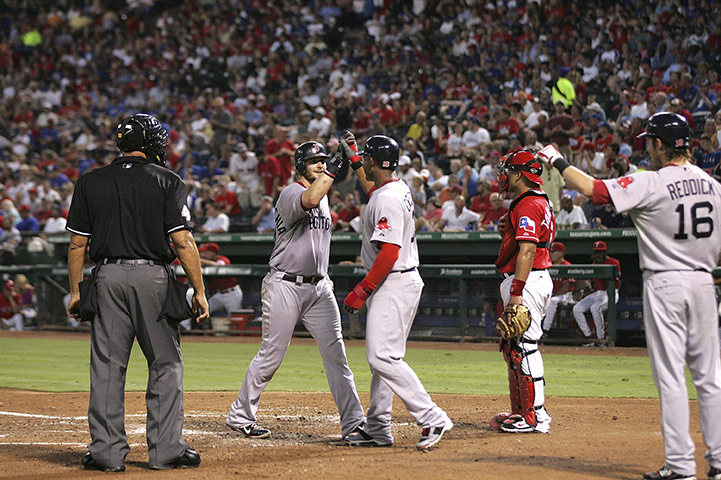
[514, 321]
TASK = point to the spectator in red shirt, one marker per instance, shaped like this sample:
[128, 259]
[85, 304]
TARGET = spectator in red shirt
[226, 293]
[603, 137]
[349, 211]
[497, 210]
[433, 214]
[481, 201]
[226, 200]
[506, 125]
[269, 172]
[282, 149]
[10, 316]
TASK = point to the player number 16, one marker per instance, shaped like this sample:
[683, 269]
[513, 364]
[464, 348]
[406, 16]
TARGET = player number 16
[701, 227]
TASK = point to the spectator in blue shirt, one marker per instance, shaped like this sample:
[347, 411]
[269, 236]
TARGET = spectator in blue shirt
[264, 219]
[27, 223]
[706, 157]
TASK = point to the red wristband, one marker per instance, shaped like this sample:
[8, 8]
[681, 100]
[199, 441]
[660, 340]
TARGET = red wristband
[517, 287]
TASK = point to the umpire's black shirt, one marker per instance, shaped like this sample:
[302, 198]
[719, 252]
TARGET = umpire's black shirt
[128, 208]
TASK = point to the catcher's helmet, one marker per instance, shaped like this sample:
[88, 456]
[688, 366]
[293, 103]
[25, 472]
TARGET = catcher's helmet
[384, 150]
[671, 128]
[524, 161]
[144, 133]
[307, 151]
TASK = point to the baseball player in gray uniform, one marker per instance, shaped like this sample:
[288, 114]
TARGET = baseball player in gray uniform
[297, 288]
[677, 211]
[392, 290]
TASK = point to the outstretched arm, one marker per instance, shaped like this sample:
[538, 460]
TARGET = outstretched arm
[350, 150]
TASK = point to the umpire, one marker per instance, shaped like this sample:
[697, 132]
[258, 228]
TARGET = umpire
[126, 211]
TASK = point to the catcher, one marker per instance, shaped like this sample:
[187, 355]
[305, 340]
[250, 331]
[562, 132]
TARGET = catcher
[528, 231]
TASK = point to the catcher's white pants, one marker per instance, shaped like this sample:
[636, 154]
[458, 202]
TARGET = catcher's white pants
[283, 304]
[553, 304]
[597, 302]
[679, 331]
[391, 310]
[536, 294]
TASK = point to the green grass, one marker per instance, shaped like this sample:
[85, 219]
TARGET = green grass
[63, 365]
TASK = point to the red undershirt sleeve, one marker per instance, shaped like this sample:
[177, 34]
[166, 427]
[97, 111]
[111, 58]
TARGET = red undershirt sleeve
[383, 265]
[600, 193]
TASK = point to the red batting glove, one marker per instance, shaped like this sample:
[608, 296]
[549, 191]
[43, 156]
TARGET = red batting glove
[357, 297]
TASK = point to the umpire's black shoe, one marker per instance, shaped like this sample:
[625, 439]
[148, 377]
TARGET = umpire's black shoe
[189, 459]
[89, 463]
[665, 473]
[714, 473]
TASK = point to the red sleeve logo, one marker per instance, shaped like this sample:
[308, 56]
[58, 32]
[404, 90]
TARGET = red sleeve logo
[383, 224]
[624, 182]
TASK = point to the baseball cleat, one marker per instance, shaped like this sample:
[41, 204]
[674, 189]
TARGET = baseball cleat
[89, 463]
[714, 473]
[516, 424]
[359, 438]
[251, 431]
[665, 473]
[189, 459]
[432, 435]
[358, 428]
[498, 419]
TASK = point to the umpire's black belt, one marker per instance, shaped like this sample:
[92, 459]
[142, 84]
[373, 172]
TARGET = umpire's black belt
[301, 279]
[130, 261]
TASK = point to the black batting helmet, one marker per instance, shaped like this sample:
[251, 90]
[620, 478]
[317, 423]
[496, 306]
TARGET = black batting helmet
[384, 150]
[307, 151]
[671, 128]
[143, 133]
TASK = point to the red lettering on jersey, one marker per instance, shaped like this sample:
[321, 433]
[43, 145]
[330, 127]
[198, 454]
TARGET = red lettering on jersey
[624, 181]
[383, 224]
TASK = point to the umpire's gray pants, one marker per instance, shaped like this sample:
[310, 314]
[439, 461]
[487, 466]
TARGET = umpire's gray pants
[130, 298]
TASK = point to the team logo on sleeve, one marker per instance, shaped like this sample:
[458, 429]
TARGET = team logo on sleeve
[527, 224]
[624, 182]
[383, 224]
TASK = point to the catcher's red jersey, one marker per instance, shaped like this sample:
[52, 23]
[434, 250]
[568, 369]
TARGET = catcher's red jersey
[531, 219]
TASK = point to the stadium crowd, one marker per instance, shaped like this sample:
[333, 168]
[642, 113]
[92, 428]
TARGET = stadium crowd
[239, 84]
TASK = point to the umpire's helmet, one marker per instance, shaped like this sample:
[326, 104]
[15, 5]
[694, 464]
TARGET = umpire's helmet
[384, 150]
[307, 151]
[144, 133]
[524, 161]
[671, 128]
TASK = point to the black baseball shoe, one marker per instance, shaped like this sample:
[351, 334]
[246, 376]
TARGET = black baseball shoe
[665, 473]
[359, 438]
[714, 473]
[89, 463]
[251, 431]
[189, 459]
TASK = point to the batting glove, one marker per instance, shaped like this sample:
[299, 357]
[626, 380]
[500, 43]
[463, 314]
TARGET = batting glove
[357, 297]
[333, 165]
[350, 150]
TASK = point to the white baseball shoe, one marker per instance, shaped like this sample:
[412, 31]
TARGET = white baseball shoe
[432, 435]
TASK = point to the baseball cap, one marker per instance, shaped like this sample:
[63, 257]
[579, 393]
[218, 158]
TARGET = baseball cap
[657, 73]
[241, 147]
[676, 101]
[435, 201]
[24, 208]
[319, 110]
[404, 160]
[455, 189]
[599, 245]
[209, 247]
[495, 153]
[267, 198]
[558, 247]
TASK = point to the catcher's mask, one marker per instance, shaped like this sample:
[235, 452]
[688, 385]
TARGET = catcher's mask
[524, 161]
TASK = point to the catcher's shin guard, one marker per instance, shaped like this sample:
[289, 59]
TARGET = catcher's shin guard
[529, 370]
[513, 386]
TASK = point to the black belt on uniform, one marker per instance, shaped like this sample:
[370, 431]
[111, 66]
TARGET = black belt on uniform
[404, 271]
[130, 261]
[300, 279]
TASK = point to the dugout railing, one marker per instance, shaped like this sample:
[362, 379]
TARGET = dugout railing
[459, 302]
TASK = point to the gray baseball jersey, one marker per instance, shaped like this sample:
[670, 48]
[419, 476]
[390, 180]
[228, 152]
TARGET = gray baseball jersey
[677, 212]
[302, 237]
[388, 218]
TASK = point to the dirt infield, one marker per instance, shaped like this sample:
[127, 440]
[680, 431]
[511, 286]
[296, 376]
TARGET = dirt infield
[43, 435]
